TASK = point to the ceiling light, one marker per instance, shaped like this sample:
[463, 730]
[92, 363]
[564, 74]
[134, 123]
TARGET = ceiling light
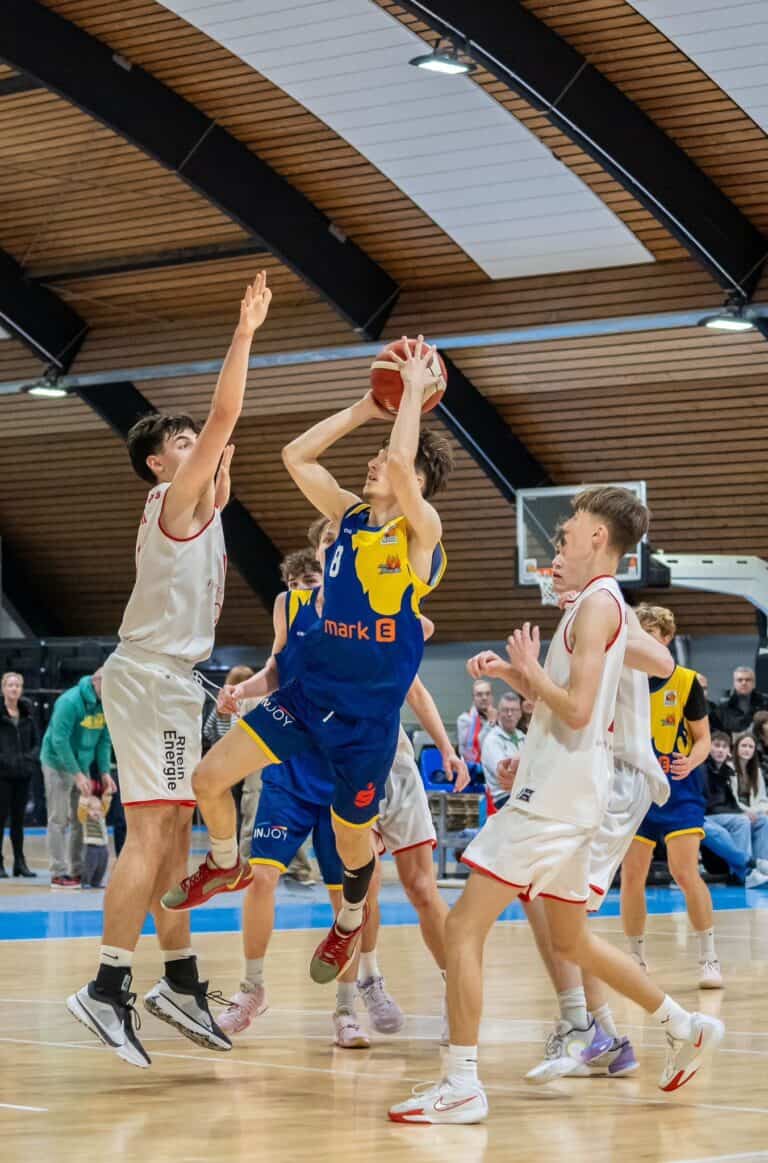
[446, 61]
[730, 318]
[4, 334]
[52, 391]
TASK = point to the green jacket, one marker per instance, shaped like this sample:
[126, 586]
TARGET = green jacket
[77, 732]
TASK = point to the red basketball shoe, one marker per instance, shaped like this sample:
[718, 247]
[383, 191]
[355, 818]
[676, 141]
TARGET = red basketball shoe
[207, 882]
[335, 952]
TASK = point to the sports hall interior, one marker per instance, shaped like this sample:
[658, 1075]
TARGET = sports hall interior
[580, 224]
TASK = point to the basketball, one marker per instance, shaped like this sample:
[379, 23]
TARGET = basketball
[387, 384]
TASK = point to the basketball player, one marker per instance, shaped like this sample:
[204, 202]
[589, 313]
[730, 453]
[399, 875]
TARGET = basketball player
[153, 704]
[585, 1040]
[680, 729]
[539, 843]
[358, 663]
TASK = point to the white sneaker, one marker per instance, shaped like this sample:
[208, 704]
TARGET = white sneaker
[111, 1020]
[384, 1013]
[757, 878]
[710, 976]
[762, 866]
[442, 1102]
[562, 1055]
[348, 1033]
[187, 1011]
[686, 1056]
[244, 1007]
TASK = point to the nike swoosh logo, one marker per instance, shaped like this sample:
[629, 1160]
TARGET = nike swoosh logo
[450, 1106]
[214, 884]
[111, 956]
[697, 1044]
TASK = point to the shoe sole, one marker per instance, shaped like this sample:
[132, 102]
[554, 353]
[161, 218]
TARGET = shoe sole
[185, 907]
[539, 1076]
[419, 1120]
[362, 1044]
[711, 985]
[195, 1034]
[687, 1072]
[319, 970]
[242, 1029]
[80, 1014]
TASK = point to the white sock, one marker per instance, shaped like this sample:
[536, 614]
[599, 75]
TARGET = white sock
[369, 966]
[673, 1018]
[350, 916]
[346, 992]
[177, 954]
[461, 1065]
[573, 1008]
[604, 1018]
[706, 939]
[224, 853]
[253, 976]
[637, 946]
[114, 955]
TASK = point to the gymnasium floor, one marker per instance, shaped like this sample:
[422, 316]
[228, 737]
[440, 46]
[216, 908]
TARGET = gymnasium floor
[286, 1093]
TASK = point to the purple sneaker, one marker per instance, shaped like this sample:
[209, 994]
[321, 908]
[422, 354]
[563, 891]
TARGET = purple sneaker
[617, 1059]
[601, 1044]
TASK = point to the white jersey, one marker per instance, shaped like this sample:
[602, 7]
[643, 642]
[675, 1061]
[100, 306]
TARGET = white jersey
[179, 588]
[566, 774]
[632, 734]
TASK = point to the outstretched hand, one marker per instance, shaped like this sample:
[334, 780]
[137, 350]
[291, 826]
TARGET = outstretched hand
[487, 664]
[417, 369]
[255, 303]
[523, 647]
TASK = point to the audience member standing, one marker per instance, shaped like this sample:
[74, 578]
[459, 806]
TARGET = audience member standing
[75, 738]
[473, 725]
[19, 748]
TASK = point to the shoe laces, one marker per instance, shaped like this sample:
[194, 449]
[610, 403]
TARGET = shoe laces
[203, 994]
[195, 878]
[128, 1001]
[336, 942]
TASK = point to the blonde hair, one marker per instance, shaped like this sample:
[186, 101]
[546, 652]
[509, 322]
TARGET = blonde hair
[11, 674]
[238, 674]
[656, 618]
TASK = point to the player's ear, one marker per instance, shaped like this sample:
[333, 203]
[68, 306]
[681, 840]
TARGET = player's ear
[154, 464]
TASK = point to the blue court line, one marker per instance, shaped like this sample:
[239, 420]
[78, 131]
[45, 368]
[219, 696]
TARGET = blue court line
[315, 913]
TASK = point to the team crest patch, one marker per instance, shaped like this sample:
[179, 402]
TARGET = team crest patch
[668, 721]
[525, 794]
[389, 538]
[670, 698]
[391, 565]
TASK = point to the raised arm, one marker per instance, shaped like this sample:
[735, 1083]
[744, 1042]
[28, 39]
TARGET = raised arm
[593, 628]
[302, 456]
[644, 652]
[193, 482]
[418, 375]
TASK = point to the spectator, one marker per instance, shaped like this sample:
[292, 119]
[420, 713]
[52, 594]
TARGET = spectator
[760, 731]
[712, 711]
[528, 707]
[501, 749]
[76, 737]
[750, 785]
[737, 710]
[92, 813]
[727, 828]
[473, 725]
[217, 724]
[19, 747]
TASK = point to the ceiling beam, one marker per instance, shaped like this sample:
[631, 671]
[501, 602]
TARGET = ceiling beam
[535, 62]
[37, 317]
[249, 548]
[18, 83]
[160, 260]
[217, 166]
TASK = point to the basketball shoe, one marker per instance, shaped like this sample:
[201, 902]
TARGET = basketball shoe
[710, 976]
[186, 1009]
[207, 882]
[384, 1012]
[335, 952]
[442, 1102]
[686, 1055]
[112, 1020]
[348, 1033]
[563, 1054]
[608, 1055]
[244, 1007]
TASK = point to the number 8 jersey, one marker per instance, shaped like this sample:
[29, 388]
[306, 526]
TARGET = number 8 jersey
[362, 656]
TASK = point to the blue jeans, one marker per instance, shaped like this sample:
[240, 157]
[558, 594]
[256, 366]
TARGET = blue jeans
[729, 836]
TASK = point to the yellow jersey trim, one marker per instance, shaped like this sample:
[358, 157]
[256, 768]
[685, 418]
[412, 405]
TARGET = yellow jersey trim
[258, 739]
[270, 863]
[349, 824]
[645, 840]
[684, 832]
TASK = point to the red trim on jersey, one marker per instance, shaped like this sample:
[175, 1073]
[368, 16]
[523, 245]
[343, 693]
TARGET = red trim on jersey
[599, 891]
[170, 535]
[550, 896]
[565, 634]
[410, 847]
[621, 620]
[599, 577]
[148, 803]
[618, 628]
[493, 876]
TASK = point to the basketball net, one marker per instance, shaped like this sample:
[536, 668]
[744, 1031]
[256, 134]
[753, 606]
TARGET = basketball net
[546, 588]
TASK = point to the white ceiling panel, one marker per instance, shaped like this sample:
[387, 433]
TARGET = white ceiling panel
[727, 39]
[486, 180]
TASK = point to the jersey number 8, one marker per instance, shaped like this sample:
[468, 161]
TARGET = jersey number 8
[335, 566]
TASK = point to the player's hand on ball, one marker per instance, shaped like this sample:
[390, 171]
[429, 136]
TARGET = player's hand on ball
[486, 663]
[456, 769]
[680, 767]
[226, 703]
[417, 370]
[255, 303]
[523, 647]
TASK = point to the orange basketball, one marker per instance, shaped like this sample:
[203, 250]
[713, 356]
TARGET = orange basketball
[387, 384]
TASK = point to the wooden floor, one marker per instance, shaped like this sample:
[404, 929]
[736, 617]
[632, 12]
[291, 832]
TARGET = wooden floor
[285, 1093]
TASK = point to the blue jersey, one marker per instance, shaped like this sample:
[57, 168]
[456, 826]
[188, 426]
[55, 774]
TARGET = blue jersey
[362, 656]
[309, 775]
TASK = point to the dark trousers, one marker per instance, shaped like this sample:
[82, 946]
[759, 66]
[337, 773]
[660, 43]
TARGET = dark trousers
[94, 865]
[13, 802]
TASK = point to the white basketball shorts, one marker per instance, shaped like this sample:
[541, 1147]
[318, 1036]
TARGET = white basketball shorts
[629, 801]
[153, 707]
[405, 820]
[539, 856]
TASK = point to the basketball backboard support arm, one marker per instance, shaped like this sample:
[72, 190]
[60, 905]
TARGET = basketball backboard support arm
[719, 573]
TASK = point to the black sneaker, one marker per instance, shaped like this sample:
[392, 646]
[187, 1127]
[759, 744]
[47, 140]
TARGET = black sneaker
[186, 1009]
[111, 1019]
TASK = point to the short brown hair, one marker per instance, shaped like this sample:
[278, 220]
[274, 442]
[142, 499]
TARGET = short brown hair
[316, 531]
[622, 510]
[149, 434]
[720, 737]
[238, 674]
[434, 459]
[299, 562]
[656, 618]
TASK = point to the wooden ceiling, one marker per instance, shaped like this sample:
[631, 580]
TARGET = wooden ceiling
[680, 408]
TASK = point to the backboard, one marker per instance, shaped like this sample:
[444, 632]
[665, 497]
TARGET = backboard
[540, 511]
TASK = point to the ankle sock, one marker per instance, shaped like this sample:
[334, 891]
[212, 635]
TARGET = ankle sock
[461, 1065]
[604, 1019]
[346, 992]
[354, 891]
[673, 1019]
[114, 973]
[368, 967]
[181, 968]
[253, 977]
[706, 939]
[637, 947]
[573, 1008]
[224, 853]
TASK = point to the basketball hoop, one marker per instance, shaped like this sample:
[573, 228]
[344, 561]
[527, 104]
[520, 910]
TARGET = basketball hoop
[546, 587]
